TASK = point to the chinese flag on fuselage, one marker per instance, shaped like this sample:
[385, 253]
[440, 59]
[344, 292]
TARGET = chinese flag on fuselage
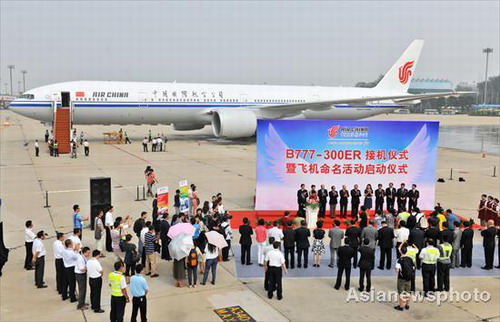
[80, 94]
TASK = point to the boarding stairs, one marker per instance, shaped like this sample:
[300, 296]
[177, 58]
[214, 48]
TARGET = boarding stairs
[62, 128]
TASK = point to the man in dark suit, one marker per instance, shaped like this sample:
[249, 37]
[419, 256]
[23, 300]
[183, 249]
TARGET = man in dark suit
[246, 233]
[385, 239]
[417, 238]
[302, 242]
[323, 197]
[344, 198]
[466, 243]
[354, 234]
[390, 197]
[355, 200]
[345, 254]
[302, 199]
[498, 266]
[289, 243]
[366, 265]
[433, 231]
[446, 233]
[165, 240]
[489, 235]
[402, 194]
[379, 198]
[413, 196]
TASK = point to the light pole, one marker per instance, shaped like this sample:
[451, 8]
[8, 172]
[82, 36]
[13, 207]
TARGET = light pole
[486, 51]
[11, 67]
[24, 72]
[19, 87]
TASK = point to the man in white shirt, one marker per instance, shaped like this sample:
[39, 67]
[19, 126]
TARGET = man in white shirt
[142, 241]
[160, 144]
[275, 264]
[276, 232]
[153, 145]
[69, 255]
[86, 148]
[401, 235]
[57, 248]
[229, 236]
[75, 238]
[39, 259]
[37, 148]
[145, 145]
[81, 277]
[266, 249]
[29, 236]
[108, 222]
[94, 271]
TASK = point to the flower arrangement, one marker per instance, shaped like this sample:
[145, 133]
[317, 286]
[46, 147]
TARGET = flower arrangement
[313, 204]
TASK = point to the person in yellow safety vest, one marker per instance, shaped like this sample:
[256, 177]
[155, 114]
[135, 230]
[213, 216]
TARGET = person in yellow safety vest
[429, 256]
[55, 146]
[411, 251]
[118, 290]
[443, 265]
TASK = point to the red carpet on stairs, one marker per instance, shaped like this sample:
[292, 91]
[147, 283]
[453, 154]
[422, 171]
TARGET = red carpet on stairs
[62, 129]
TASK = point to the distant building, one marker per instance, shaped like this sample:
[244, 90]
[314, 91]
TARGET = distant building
[486, 109]
[421, 85]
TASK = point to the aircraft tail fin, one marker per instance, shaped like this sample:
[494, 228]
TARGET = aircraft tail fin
[398, 78]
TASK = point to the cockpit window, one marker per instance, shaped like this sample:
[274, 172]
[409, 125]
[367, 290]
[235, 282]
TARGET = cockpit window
[27, 96]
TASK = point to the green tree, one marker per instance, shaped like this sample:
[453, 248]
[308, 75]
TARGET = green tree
[493, 91]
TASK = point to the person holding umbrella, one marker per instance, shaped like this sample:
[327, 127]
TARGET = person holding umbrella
[215, 242]
[212, 254]
[179, 271]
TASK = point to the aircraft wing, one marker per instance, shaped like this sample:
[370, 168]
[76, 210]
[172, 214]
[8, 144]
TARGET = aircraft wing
[293, 109]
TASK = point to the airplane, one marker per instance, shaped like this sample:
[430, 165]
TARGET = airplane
[232, 110]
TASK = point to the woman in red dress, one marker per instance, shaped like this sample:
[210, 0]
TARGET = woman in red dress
[482, 210]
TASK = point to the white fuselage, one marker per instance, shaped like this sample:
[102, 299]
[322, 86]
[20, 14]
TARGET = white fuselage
[186, 106]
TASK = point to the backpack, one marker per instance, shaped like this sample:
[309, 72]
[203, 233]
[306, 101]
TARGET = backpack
[193, 258]
[406, 271]
[138, 226]
[423, 222]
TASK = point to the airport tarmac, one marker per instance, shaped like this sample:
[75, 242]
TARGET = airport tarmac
[214, 166]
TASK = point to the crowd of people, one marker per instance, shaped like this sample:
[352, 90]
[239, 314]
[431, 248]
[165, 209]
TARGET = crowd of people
[77, 265]
[434, 244]
[158, 143]
[53, 145]
[405, 199]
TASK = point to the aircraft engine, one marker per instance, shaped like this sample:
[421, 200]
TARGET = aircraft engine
[234, 123]
[187, 126]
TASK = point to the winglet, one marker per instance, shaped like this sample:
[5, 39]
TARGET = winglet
[398, 78]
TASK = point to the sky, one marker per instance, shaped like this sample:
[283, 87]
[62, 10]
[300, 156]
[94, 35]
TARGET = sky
[336, 43]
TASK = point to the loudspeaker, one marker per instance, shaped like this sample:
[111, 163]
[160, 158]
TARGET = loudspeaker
[65, 99]
[100, 197]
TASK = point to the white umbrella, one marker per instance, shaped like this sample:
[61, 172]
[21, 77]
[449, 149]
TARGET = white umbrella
[180, 246]
[216, 239]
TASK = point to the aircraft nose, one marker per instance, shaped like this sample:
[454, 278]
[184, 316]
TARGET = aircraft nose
[15, 106]
[22, 107]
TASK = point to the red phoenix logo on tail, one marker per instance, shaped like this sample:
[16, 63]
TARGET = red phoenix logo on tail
[333, 131]
[405, 72]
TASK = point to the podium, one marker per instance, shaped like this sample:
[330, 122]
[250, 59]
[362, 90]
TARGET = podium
[312, 216]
